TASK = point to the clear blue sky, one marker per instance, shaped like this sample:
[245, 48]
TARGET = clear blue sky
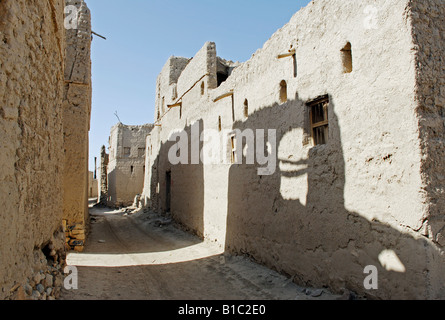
[143, 34]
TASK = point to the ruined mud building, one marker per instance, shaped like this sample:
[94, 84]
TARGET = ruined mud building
[45, 108]
[358, 114]
[93, 185]
[361, 184]
[123, 169]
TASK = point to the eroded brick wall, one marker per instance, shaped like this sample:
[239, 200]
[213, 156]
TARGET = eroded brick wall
[31, 130]
[76, 125]
[427, 18]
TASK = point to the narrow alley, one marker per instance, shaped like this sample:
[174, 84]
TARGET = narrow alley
[146, 257]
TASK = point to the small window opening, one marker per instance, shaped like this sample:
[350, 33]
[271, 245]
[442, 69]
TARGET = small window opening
[219, 124]
[203, 88]
[132, 169]
[233, 108]
[246, 108]
[174, 92]
[283, 91]
[233, 147]
[347, 58]
[318, 114]
[221, 77]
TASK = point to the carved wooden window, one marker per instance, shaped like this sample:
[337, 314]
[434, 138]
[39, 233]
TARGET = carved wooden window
[318, 114]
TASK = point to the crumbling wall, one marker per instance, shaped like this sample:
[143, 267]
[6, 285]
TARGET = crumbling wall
[76, 125]
[103, 181]
[166, 83]
[32, 51]
[92, 186]
[327, 211]
[427, 18]
[126, 167]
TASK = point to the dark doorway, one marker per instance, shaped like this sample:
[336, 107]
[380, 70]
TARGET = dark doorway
[221, 77]
[168, 194]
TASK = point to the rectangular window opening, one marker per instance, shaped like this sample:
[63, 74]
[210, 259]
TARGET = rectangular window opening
[233, 148]
[347, 58]
[319, 120]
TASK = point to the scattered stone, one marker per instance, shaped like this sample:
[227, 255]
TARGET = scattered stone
[14, 288]
[35, 295]
[79, 248]
[101, 241]
[76, 243]
[38, 277]
[58, 282]
[17, 293]
[21, 295]
[346, 295]
[317, 293]
[40, 288]
[49, 280]
[48, 291]
[28, 289]
[57, 292]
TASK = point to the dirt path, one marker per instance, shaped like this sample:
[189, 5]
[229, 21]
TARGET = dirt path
[144, 257]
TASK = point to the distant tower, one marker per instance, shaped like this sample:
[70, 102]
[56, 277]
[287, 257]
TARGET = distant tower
[104, 158]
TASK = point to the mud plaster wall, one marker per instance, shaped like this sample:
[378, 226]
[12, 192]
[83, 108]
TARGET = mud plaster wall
[328, 211]
[103, 183]
[92, 186]
[31, 150]
[429, 41]
[76, 116]
[125, 171]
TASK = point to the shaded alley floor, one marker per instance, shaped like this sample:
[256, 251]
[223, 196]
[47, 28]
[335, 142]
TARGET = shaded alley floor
[145, 257]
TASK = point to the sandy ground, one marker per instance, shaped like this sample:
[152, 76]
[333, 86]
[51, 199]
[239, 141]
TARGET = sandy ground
[145, 257]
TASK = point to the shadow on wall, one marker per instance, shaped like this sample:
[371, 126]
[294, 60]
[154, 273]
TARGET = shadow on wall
[316, 239]
[186, 205]
[123, 186]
